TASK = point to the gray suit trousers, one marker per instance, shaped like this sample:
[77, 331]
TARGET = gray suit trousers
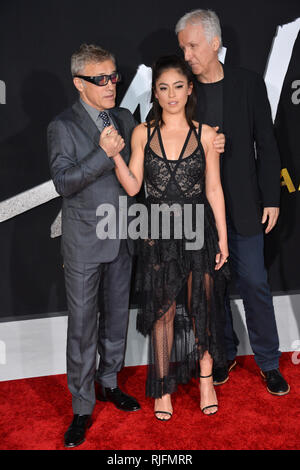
[84, 282]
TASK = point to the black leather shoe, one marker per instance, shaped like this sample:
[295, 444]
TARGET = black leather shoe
[75, 434]
[221, 374]
[118, 398]
[276, 384]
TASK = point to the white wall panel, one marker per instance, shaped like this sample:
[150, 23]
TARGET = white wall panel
[33, 348]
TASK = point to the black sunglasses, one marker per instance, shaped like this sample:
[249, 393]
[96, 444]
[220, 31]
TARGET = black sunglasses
[101, 80]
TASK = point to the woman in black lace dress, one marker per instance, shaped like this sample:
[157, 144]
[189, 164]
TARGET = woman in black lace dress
[181, 279]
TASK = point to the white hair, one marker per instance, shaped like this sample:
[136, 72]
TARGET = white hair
[89, 53]
[208, 19]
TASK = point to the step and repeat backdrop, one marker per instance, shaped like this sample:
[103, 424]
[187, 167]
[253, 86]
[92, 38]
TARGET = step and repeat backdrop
[36, 43]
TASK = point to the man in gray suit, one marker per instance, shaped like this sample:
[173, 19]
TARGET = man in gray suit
[82, 142]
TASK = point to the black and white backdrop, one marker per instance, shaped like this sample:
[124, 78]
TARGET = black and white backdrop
[36, 43]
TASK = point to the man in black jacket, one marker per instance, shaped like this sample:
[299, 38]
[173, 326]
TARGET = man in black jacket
[82, 141]
[236, 100]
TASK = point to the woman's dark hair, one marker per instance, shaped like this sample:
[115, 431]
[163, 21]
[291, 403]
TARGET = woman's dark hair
[160, 66]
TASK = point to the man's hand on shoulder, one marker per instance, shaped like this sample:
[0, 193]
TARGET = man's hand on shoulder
[219, 141]
[111, 141]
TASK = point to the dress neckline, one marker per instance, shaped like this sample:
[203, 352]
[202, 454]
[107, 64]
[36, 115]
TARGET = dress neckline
[182, 150]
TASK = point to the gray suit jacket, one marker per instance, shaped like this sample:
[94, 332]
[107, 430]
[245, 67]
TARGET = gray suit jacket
[85, 177]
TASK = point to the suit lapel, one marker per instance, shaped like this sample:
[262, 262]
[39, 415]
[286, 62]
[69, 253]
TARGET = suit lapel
[85, 121]
[119, 122]
[231, 99]
[200, 110]
[114, 112]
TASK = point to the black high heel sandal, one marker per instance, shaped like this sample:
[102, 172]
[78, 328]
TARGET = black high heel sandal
[209, 406]
[164, 412]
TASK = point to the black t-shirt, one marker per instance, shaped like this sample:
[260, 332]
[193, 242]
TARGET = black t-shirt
[212, 93]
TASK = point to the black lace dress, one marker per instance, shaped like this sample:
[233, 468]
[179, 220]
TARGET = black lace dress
[182, 295]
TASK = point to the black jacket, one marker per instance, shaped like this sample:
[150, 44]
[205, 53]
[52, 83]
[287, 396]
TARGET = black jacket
[250, 166]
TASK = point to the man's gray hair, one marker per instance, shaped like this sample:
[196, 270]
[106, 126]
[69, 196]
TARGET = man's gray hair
[207, 18]
[89, 53]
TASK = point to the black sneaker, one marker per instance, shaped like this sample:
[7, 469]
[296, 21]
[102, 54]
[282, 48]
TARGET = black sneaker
[221, 374]
[276, 384]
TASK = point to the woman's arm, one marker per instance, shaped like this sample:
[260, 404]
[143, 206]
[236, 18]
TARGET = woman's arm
[214, 192]
[131, 178]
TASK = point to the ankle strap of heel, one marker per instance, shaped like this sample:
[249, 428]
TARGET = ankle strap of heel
[205, 376]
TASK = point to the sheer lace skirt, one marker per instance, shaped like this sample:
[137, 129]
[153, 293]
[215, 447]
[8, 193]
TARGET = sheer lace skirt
[182, 308]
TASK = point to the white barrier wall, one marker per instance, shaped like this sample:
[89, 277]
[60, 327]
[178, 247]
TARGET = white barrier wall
[33, 348]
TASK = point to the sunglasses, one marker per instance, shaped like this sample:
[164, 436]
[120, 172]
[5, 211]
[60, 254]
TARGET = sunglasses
[101, 80]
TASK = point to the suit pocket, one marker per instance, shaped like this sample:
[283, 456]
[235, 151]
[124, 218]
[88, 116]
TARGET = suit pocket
[75, 213]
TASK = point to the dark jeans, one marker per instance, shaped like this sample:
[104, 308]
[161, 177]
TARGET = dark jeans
[248, 268]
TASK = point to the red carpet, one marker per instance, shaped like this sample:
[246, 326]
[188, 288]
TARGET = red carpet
[35, 413]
